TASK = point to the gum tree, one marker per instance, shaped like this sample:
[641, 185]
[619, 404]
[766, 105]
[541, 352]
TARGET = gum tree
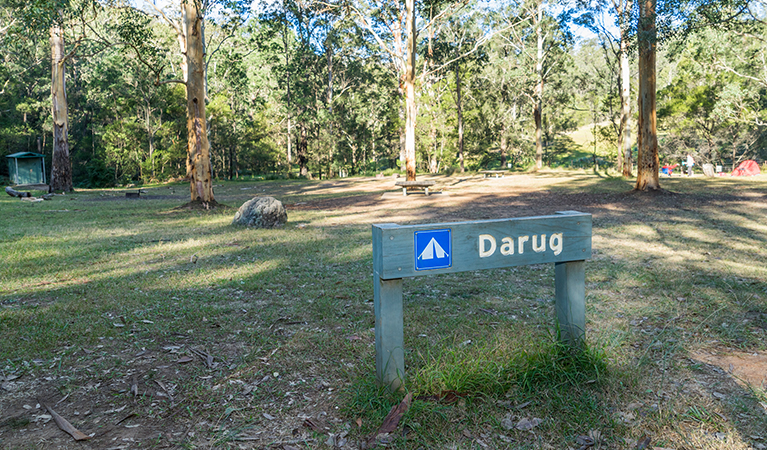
[539, 42]
[645, 24]
[395, 27]
[188, 22]
[53, 17]
[659, 20]
[621, 11]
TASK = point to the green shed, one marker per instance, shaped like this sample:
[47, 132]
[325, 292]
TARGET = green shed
[26, 168]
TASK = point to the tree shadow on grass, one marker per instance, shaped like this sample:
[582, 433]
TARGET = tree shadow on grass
[304, 293]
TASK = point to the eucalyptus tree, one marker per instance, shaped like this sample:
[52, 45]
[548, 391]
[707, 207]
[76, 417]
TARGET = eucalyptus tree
[658, 21]
[540, 42]
[456, 46]
[188, 20]
[645, 24]
[619, 47]
[502, 100]
[395, 27]
[303, 44]
[62, 20]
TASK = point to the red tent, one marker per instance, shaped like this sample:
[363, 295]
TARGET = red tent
[746, 169]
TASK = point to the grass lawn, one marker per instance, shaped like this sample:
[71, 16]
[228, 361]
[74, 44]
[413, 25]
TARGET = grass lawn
[148, 326]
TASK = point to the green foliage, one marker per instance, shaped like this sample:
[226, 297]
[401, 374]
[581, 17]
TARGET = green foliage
[311, 79]
[712, 113]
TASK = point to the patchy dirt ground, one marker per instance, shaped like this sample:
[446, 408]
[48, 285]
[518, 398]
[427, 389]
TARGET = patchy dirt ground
[122, 397]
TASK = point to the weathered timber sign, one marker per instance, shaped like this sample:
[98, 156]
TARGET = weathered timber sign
[416, 250]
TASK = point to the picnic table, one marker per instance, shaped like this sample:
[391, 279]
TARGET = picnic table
[136, 194]
[488, 173]
[415, 185]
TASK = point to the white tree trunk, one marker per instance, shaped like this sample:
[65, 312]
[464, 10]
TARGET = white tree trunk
[624, 140]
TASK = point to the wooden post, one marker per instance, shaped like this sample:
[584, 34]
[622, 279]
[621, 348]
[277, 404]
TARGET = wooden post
[390, 336]
[387, 304]
[570, 294]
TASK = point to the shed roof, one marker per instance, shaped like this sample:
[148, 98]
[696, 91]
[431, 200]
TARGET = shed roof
[25, 155]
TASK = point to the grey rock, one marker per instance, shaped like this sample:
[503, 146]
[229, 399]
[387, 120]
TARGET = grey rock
[261, 212]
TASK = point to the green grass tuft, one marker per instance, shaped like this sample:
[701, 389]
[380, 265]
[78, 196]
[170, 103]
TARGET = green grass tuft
[554, 364]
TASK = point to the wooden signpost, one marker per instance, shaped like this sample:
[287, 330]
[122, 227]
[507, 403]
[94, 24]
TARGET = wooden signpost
[429, 249]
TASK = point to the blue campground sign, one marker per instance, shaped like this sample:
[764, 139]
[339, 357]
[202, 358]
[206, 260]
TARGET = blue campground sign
[402, 251]
[432, 249]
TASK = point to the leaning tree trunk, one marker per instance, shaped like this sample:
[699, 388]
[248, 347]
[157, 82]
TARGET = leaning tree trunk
[198, 151]
[61, 168]
[538, 106]
[647, 142]
[410, 106]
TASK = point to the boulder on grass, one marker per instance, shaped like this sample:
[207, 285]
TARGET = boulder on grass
[261, 212]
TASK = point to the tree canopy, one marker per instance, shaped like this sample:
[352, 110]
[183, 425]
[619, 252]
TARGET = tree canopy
[319, 88]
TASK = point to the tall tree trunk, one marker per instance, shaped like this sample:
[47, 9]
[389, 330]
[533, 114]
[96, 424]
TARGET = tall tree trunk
[433, 144]
[538, 106]
[151, 153]
[331, 132]
[402, 140]
[459, 111]
[232, 149]
[287, 88]
[61, 167]
[302, 152]
[150, 134]
[647, 158]
[410, 105]
[198, 168]
[624, 140]
[504, 145]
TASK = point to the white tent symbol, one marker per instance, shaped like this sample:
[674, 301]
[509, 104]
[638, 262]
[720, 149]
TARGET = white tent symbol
[431, 249]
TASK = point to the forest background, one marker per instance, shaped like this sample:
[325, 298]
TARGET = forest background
[308, 88]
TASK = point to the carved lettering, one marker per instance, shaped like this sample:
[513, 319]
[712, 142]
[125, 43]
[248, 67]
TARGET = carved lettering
[483, 238]
[488, 244]
[521, 241]
[555, 243]
[508, 246]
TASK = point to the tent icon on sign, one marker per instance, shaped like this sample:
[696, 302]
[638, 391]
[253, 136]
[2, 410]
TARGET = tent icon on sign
[433, 250]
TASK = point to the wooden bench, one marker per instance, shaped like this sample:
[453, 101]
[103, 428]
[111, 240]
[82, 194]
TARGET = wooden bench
[488, 173]
[414, 184]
